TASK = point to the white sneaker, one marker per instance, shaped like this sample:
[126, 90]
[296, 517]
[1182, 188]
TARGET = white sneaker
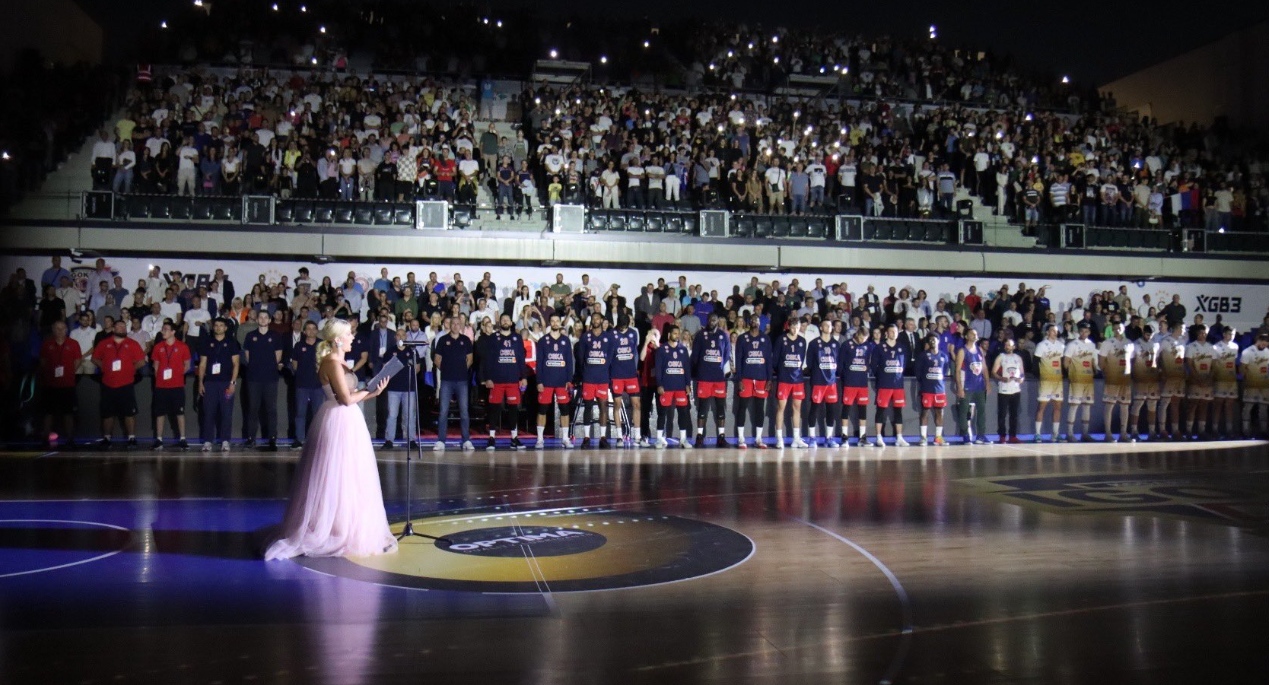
[685, 445]
[923, 442]
[439, 446]
[224, 446]
[661, 443]
[878, 443]
[568, 444]
[540, 444]
[799, 444]
[207, 447]
[468, 447]
[900, 442]
[645, 442]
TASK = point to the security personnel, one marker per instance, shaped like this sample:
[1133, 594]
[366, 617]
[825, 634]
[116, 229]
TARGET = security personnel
[217, 382]
[262, 351]
[755, 364]
[502, 371]
[711, 353]
[308, 387]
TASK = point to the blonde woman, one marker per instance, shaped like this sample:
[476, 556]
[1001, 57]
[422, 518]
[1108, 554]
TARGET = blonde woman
[336, 506]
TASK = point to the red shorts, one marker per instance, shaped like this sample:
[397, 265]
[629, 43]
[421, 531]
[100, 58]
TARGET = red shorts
[751, 388]
[594, 391]
[852, 396]
[784, 390]
[933, 400]
[558, 394]
[505, 391]
[823, 393]
[891, 396]
[707, 389]
[625, 386]
[677, 398]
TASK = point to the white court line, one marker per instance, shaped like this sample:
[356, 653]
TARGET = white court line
[73, 563]
[905, 604]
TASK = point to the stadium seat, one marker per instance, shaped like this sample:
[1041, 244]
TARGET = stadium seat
[798, 228]
[674, 223]
[284, 213]
[935, 233]
[617, 221]
[691, 221]
[819, 227]
[382, 212]
[363, 214]
[742, 226]
[161, 207]
[201, 209]
[881, 230]
[403, 213]
[227, 209]
[655, 222]
[763, 227]
[304, 213]
[635, 221]
[780, 226]
[596, 220]
[344, 213]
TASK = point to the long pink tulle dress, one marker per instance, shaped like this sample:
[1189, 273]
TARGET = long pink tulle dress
[336, 506]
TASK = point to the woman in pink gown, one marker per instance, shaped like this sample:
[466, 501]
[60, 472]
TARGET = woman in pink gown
[336, 506]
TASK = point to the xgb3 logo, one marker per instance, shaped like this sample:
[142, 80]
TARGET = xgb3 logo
[1212, 304]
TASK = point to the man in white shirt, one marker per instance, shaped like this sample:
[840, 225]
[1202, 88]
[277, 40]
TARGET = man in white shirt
[197, 320]
[85, 334]
[634, 184]
[103, 160]
[819, 177]
[609, 181]
[1254, 366]
[655, 176]
[777, 182]
[187, 167]
[1008, 373]
[1200, 364]
[170, 308]
[153, 322]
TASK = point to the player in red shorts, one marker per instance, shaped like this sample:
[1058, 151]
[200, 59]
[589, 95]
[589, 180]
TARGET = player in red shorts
[790, 356]
[932, 370]
[853, 363]
[711, 353]
[754, 362]
[888, 360]
[554, 375]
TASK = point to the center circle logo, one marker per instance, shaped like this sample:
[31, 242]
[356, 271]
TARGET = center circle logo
[511, 542]
[555, 550]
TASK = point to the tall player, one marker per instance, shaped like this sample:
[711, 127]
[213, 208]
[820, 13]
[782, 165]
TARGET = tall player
[503, 372]
[596, 351]
[1049, 354]
[790, 355]
[1115, 356]
[1225, 388]
[1254, 366]
[854, 361]
[625, 376]
[888, 360]
[756, 362]
[1172, 359]
[674, 377]
[1080, 358]
[1200, 362]
[970, 372]
[932, 370]
[555, 380]
[821, 362]
[1146, 374]
[711, 352]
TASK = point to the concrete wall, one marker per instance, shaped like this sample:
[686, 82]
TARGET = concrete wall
[59, 29]
[1224, 78]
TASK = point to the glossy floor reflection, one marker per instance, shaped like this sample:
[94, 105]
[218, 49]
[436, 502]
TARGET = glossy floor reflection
[1032, 563]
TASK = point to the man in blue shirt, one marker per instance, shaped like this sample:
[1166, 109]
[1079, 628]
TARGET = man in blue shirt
[674, 376]
[262, 350]
[596, 352]
[790, 356]
[932, 371]
[625, 375]
[821, 362]
[853, 363]
[502, 371]
[755, 362]
[555, 379]
[888, 361]
[308, 387]
[711, 353]
[452, 357]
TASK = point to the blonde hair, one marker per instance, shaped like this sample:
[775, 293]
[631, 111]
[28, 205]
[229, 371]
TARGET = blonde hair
[332, 329]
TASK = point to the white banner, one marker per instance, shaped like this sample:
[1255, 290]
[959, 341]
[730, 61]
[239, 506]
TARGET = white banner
[1240, 305]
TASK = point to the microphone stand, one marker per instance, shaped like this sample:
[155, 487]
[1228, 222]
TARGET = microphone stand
[408, 531]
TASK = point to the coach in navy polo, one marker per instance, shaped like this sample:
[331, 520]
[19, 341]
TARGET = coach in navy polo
[452, 356]
[217, 382]
[263, 352]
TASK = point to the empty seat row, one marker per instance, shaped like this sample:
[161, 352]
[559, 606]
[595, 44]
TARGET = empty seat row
[181, 208]
[810, 227]
[943, 232]
[333, 212]
[1129, 238]
[638, 221]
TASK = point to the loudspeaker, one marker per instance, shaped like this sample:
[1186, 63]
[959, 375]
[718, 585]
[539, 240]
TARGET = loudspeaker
[568, 219]
[97, 204]
[1072, 236]
[850, 228]
[258, 209]
[971, 232]
[432, 215]
[714, 223]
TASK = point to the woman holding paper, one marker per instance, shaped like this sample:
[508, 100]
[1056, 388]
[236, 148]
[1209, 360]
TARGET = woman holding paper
[336, 506]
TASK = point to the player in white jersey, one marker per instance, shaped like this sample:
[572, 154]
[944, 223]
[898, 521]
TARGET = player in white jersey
[1115, 356]
[1200, 362]
[1048, 354]
[1080, 358]
[1225, 387]
[1172, 360]
[1146, 374]
[1253, 366]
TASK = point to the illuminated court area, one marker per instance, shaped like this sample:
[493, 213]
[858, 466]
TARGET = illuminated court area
[1082, 563]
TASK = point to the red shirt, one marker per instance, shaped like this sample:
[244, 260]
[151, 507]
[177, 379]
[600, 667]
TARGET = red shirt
[169, 364]
[58, 363]
[445, 169]
[118, 360]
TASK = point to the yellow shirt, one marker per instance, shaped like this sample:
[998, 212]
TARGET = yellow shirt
[1083, 364]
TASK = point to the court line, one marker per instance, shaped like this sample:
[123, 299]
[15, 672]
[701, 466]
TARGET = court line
[99, 557]
[905, 603]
